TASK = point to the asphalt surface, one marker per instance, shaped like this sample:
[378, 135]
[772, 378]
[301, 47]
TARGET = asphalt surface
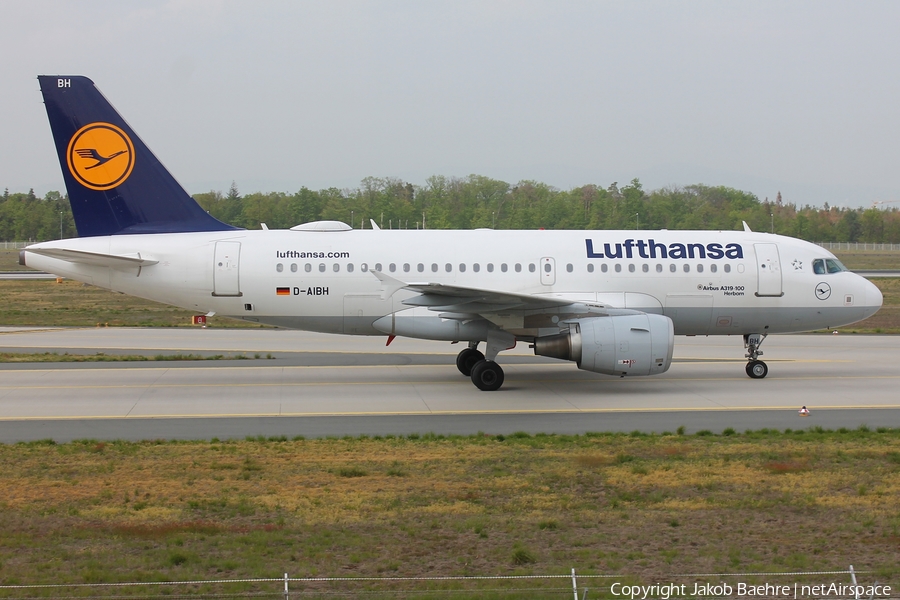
[319, 385]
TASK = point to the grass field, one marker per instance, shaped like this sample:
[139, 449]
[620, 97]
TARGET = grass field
[9, 261]
[43, 302]
[643, 506]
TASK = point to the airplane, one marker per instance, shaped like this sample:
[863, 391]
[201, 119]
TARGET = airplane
[610, 301]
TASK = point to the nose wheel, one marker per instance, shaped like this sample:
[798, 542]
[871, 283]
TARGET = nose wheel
[757, 369]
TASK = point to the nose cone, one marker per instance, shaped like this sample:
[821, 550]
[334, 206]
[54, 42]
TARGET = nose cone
[874, 298]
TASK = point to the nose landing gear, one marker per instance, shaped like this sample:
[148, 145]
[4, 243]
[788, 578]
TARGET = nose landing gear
[756, 369]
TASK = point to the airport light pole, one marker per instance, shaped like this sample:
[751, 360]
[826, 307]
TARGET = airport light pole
[60, 224]
[773, 221]
[637, 221]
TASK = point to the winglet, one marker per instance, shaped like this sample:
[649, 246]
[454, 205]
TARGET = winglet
[374, 226]
[747, 227]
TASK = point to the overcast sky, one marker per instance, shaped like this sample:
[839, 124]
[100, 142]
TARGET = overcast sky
[797, 97]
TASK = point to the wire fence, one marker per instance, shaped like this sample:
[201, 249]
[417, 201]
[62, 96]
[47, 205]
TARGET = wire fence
[858, 246]
[14, 245]
[788, 584]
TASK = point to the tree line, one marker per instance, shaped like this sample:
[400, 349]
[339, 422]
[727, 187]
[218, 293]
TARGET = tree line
[477, 201]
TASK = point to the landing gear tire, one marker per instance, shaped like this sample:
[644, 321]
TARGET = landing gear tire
[757, 369]
[467, 359]
[487, 376]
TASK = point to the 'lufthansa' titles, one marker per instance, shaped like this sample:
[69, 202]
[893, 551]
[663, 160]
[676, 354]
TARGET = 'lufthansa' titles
[651, 249]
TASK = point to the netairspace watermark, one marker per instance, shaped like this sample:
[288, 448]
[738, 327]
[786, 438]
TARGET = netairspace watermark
[666, 591]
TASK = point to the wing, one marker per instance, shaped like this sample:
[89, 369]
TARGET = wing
[508, 310]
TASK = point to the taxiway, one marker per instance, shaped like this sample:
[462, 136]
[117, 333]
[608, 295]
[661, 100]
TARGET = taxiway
[317, 385]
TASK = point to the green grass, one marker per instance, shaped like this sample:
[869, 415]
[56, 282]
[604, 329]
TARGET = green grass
[643, 506]
[45, 303]
[9, 261]
[869, 259]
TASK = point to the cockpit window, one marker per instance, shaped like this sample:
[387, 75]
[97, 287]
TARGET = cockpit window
[827, 265]
[834, 265]
[819, 266]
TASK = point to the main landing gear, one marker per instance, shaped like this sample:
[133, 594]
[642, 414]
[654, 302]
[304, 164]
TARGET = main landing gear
[485, 373]
[467, 359]
[756, 369]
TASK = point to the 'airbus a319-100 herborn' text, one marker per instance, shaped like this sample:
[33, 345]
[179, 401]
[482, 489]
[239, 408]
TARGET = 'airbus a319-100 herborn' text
[611, 301]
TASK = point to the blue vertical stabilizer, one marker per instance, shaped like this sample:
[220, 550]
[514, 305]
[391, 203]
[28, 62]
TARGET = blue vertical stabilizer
[115, 184]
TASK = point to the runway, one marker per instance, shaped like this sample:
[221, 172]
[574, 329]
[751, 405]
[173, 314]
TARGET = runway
[319, 385]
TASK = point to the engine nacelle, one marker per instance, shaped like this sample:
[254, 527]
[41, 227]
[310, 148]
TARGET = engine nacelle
[640, 344]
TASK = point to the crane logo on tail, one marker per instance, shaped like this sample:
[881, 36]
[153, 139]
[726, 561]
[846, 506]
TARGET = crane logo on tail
[100, 156]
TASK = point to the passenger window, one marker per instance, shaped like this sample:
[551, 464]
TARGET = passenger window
[378, 267]
[531, 268]
[392, 267]
[590, 267]
[321, 267]
[293, 267]
[713, 268]
[490, 267]
[337, 267]
[364, 268]
[618, 268]
[727, 268]
[307, 267]
[279, 267]
[518, 268]
[503, 267]
[631, 268]
[406, 267]
[349, 267]
[448, 267]
[645, 268]
[672, 268]
[420, 268]
[434, 267]
[699, 268]
[476, 267]
[547, 268]
[462, 267]
[687, 268]
[658, 268]
[570, 268]
[604, 267]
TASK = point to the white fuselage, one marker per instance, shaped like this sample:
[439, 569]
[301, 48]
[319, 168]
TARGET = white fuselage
[707, 282]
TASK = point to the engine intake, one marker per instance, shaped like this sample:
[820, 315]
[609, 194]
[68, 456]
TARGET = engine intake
[639, 344]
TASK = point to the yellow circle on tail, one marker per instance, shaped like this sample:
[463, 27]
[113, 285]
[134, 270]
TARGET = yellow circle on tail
[100, 156]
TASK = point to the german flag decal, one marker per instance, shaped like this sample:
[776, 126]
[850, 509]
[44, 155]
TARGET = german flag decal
[283, 291]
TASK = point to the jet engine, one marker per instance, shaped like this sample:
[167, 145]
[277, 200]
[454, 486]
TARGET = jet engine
[639, 344]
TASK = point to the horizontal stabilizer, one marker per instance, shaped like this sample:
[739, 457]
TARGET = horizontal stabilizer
[113, 261]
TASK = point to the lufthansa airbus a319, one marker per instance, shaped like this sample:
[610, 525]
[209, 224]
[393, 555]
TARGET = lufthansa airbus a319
[610, 301]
